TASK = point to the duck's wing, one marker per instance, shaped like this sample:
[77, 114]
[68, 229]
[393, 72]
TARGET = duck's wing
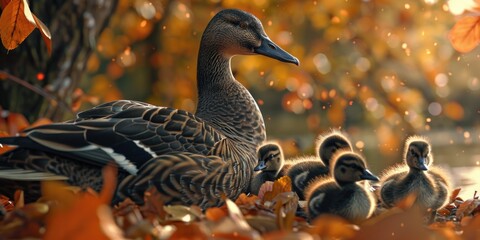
[183, 177]
[108, 109]
[129, 134]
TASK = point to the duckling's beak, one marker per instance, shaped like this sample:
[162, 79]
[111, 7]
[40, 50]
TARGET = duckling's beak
[270, 49]
[261, 165]
[367, 175]
[422, 164]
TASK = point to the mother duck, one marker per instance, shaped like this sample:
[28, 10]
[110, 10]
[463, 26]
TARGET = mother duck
[189, 158]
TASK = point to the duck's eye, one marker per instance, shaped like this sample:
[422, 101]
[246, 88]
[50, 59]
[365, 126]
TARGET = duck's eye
[343, 170]
[243, 25]
[412, 151]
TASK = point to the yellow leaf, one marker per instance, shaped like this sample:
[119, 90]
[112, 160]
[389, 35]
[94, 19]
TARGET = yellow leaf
[465, 35]
[15, 25]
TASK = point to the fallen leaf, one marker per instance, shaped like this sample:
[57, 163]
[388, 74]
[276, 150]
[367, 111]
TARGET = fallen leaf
[182, 213]
[153, 207]
[19, 199]
[6, 203]
[467, 207]
[283, 184]
[15, 24]
[245, 200]
[88, 213]
[16, 123]
[454, 194]
[215, 213]
[465, 34]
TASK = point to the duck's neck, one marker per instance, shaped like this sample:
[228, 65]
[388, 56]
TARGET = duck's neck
[225, 103]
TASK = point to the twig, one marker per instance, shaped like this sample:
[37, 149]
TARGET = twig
[35, 89]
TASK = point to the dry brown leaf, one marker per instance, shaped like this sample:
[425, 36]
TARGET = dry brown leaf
[15, 24]
[16, 123]
[466, 208]
[6, 203]
[215, 213]
[244, 200]
[465, 35]
[454, 194]
[283, 184]
[19, 199]
[153, 207]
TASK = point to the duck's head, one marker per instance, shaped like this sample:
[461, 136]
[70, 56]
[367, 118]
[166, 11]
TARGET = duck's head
[233, 32]
[270, 158]
[417, 153]
[350, 167]
[329, 144]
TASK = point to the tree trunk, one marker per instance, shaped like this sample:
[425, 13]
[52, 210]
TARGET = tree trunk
[75, 26]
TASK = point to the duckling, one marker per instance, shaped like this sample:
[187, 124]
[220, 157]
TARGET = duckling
[340, 194]
[330, 143]
[303, 170]
[415, 176]
[270, 162]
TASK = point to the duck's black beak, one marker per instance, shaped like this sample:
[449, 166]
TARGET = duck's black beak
[270, 49]
[261, 165]
[367, 175]
[422, 164]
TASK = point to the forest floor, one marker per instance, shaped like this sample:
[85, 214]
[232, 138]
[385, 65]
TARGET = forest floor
[65, 212]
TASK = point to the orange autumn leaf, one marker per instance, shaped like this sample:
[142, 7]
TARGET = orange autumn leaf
[283, 184]
[465, 35]
[18, 22]
[6, 203]
[215, 213]
[88, 214]
[454, 194]
[15, 25]
[16, 123]
[243, 199]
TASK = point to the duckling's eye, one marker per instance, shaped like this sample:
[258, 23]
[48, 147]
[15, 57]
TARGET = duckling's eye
[343, 170]
[412, 151]
[243, 25]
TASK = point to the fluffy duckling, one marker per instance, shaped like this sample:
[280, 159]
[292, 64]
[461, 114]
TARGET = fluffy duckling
[329, 144]
[270, 162]
[340, 194]
[415, 176]
[305, 169]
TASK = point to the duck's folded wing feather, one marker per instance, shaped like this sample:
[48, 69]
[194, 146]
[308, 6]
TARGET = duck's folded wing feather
[185, 177]
[130, 136]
